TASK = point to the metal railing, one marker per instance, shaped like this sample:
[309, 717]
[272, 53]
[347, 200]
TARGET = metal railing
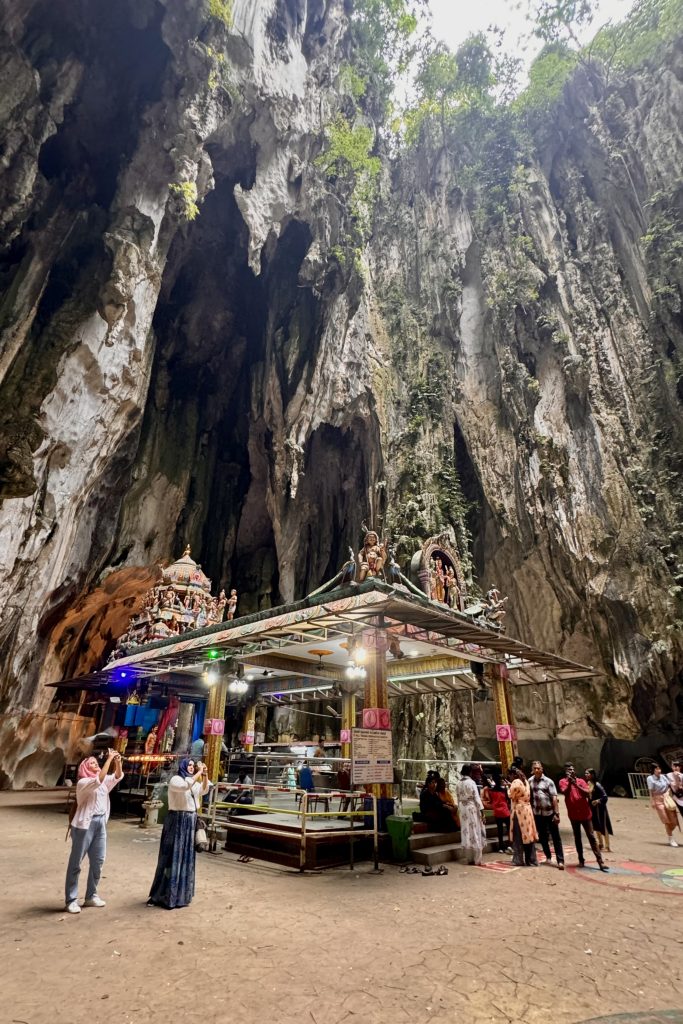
[269, 768]
[449, 768]
[638, 784]
[302, 813]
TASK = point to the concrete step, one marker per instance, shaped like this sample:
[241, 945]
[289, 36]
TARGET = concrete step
[423, 840]
[434, 855]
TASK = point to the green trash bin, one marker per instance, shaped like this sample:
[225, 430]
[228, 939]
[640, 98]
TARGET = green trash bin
[399, 829]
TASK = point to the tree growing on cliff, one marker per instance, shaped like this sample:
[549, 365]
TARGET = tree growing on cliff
[449, 82]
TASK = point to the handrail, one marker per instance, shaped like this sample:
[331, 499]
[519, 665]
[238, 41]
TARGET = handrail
[446, 760]
[303, 813]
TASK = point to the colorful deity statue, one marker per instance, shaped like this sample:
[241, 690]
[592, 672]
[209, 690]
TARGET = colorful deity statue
[494, 609]
[151, 740]
[371, 557]
[232, 604]
[452, 589]
[438, 581]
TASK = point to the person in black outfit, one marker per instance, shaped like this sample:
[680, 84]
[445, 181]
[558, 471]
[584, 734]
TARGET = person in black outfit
[432, 808]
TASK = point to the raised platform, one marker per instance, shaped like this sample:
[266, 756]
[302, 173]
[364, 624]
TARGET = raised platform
[275, 837]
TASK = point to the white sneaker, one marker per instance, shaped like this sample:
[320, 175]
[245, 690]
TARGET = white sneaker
[94, 901]
[672, 842]
[73, 907]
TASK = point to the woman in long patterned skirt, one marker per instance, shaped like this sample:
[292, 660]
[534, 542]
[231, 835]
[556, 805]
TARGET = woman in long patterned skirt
[470, 809]
[522, 824]
[173, 884]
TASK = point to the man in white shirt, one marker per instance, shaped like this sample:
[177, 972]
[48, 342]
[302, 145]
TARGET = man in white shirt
[89, 827]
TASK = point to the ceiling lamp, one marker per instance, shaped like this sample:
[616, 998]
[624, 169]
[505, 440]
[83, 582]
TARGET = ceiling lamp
[238, 687]
[319, 653]
[354, 671]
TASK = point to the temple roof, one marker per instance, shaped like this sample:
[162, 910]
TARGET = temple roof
[185, 572]
[439, 647]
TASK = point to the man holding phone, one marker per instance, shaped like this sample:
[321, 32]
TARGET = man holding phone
[580, 813]
[546, 813]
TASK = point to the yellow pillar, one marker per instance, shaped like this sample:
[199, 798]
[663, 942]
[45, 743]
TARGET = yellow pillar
[215, 709]
[348, 719]
[500, 685]
[249, 727]
[376, 644]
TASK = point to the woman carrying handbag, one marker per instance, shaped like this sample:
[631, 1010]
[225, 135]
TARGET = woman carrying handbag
[173, 884]
[675, 778]
[663, 802]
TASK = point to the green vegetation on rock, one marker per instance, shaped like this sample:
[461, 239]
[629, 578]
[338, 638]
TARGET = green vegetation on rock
[186, 192]
[221, 10]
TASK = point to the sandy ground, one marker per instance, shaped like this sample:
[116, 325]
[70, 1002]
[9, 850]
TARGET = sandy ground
[264, 944]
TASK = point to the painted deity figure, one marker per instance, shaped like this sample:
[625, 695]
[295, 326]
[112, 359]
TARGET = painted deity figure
[371, 557]
[495, 611]
[438, 581]
[452, 589]
[232, 604]
[151, 740]
[221, 606]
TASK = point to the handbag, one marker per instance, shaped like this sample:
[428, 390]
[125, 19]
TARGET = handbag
[201, 840]
[669, 801]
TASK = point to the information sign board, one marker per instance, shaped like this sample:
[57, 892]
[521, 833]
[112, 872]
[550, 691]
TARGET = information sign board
[371, 756]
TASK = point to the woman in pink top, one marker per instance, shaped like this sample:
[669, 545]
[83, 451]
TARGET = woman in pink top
[89, 827]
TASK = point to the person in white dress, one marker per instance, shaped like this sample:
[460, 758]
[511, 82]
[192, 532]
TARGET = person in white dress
[470, 809]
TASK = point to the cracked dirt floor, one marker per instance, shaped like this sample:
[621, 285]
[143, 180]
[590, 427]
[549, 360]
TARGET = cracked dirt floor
[262, 944]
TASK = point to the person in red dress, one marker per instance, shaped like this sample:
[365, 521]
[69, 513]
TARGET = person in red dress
[494, 798]
[580, 813]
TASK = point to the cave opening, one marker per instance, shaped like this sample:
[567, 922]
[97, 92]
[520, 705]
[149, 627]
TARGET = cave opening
[124, 58]
[474, 498]
[225, 338]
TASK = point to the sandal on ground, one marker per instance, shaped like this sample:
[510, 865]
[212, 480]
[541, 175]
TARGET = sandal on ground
[441, 870]
[428, 870]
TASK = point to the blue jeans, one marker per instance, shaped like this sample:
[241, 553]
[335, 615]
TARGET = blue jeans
[93, 841]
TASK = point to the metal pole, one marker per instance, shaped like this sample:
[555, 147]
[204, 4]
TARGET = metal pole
[351, 808]
[304, 808]
[375, 836]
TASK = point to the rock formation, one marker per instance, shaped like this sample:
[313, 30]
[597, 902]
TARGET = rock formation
[189, 355]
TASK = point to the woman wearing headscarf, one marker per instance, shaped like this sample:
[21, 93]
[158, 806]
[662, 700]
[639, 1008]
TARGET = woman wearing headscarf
[470, 809]
[173, 884]
[89, 827]
[602, 826]
[662, 801]
[522, 823]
